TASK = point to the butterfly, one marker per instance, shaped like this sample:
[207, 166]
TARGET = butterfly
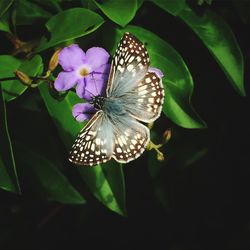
[134, 94]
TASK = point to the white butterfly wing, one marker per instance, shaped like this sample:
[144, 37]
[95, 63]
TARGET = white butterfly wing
[123, 139]
[145, 101]
[141, 92]
[130, 139]
[129, 66]
[132, 89]
[94, 143]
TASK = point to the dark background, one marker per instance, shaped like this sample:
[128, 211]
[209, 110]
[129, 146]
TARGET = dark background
[203, 206]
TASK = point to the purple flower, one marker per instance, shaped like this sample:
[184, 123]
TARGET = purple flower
[88, 70]
[83, 111]
[156, 71]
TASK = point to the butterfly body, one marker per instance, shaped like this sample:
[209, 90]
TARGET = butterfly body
[114, 107]
[98, 101]
[133, 94]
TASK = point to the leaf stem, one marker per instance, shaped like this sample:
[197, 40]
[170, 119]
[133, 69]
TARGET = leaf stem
[8, 78]
[16, 78]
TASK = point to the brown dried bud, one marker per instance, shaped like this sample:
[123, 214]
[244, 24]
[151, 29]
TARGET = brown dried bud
[23, 78]
[54, 60]
[167, 135]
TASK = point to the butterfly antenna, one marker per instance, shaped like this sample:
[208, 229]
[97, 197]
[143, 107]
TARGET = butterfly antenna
[90, 93]
[92, 75]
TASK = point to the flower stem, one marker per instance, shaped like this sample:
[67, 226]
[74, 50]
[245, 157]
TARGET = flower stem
[151, 145]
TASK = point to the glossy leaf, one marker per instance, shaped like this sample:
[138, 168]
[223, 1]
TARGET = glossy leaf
[61, 113]
[139, 3]
[14, 88]
[108, 181]
[8, 174]
[120, 12]
[117, 184]
[76, 22]
[28, 13]
[177, 104]
[4, 5]
[178, 109]
[4, 20]
[4, 26]
[201, 2]
[39, 153]
[219, 39]
[47, 179]
[50, 4]
[95, 177]
[173, 7]
[221, 42]
[209, 1]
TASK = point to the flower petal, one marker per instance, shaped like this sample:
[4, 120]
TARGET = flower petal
[94, 84]
[71, 57]
[102, 71]
[96, 57]
[65, 81]
[80, 87]
[156, 71]
[82, 91]
[83, 111]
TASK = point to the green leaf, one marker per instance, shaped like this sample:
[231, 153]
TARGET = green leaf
[70, 24]
[28, 12]
[14, 88]
[4, 21]
[44, 177]
[104, 189]
[4, 5]
[178, 109]
[219, 39]
[108, 183]
[177, 104]
[173, 7]
[200, 2]
[61, 113]
[4, 26]
[8, 174]
[9, 65]
[40, 161]
[221, 42]
[53, 5]
[209, 1]
[139, 4]
[120, 12]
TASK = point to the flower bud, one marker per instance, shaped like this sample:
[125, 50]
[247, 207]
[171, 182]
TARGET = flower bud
[150, 125]
[167, 135]
[23, 78]
[54, 60]
[160, 156]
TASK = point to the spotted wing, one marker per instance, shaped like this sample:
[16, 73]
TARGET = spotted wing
[130, 139]
[129, 66]
[145, 101]
[94, 143]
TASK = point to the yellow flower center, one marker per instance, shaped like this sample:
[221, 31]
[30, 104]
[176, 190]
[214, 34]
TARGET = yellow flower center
[84, 72]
